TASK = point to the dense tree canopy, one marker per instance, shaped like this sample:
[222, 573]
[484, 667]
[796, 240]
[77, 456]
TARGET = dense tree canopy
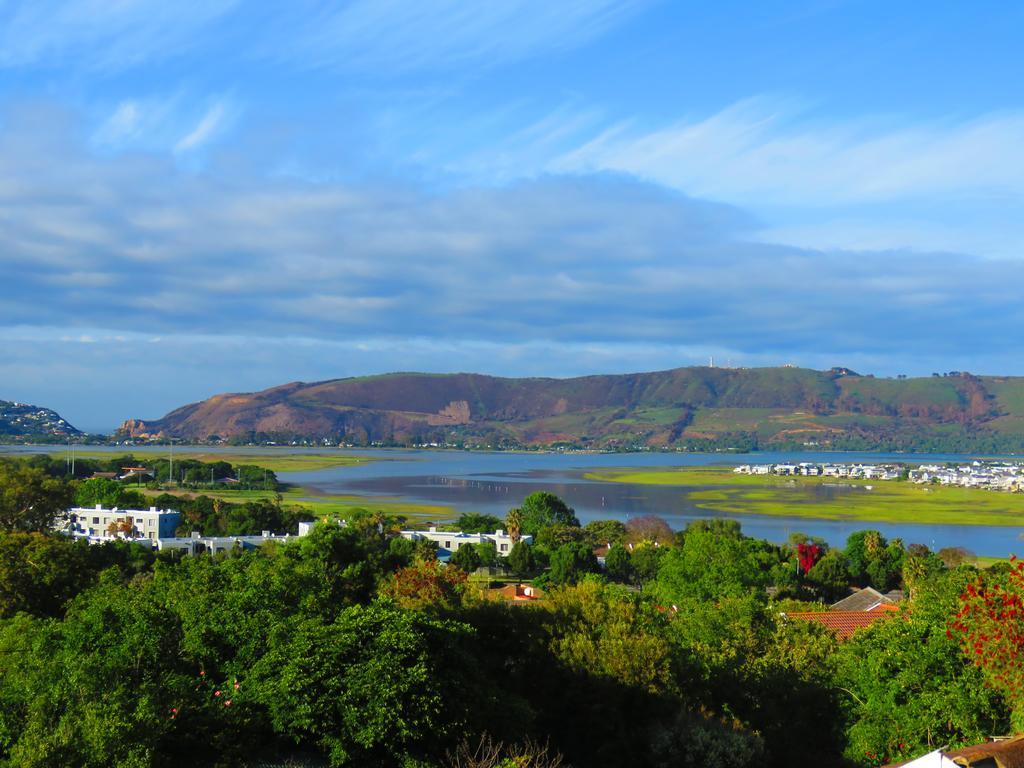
[354, 646]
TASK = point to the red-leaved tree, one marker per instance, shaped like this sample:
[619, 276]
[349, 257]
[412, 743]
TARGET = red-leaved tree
[807, 554]
[990, 628]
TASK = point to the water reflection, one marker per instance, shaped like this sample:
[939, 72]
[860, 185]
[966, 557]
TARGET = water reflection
[493, 483]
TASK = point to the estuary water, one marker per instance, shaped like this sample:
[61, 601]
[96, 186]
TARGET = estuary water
[493, 482]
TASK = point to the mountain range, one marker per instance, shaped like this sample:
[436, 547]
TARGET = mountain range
[695, 408]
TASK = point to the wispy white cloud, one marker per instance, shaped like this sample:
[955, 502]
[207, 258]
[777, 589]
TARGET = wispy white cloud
[210, 124]
[102, 34]
[760, 150]
[400, 36]
[368, 35]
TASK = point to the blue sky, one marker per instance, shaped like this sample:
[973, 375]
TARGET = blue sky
[198, 197]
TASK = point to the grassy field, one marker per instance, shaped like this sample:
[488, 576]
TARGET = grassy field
[272, 460]
[718, 489]
[340, 506]
[280, 461]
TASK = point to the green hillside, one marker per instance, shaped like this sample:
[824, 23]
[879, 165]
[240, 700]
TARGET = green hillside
[696, 408]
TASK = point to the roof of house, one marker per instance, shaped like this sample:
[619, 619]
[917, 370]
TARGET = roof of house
[517, 593]
[1005, 753]
[862, 600]
[844, 623]
[1008, 753]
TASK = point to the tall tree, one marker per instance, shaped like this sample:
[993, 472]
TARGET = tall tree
[31, 500]
[990, 627]
[541, 509]
[514, 524]
[570, 562]
[909, 686]
[521, 560]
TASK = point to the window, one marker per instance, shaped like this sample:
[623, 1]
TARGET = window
[95, 521]
[447, 545]
[504, 547]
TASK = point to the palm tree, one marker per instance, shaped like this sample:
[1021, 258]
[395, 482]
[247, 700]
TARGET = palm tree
[514, 524]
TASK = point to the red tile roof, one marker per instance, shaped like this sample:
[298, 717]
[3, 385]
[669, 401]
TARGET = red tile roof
[517, 593]
[844, 623]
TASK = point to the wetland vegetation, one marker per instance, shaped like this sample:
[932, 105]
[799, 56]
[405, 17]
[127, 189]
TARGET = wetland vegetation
[719, 489]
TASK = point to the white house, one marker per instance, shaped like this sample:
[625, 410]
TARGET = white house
[198, 544]
[99, 524]
[449, 542]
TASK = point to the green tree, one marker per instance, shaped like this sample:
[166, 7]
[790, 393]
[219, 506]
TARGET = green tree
[710, 565]
[31, 500]
[909, 688]
[365, 686]
[553, 536]
[571, 562]
[109, 493]
[465, 558]
[601, 630]
[541, 509]
[250, 476]
[605, 533]
[831, 575]
[106, 686]
[487, 552]
[40, 572]
[520, 559]
[646, 560]
[475, 522]
[619, 565]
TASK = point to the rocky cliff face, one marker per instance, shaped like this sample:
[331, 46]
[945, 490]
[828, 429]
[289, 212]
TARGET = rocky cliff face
[137, 429]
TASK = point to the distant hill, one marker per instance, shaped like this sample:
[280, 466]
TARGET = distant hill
[19, 421]
[695, 408]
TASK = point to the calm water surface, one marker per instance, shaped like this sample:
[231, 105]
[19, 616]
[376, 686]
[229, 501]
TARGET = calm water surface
[493, 482]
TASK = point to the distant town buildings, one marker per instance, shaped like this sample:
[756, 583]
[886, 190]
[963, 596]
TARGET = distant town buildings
[993, 475]
[812, 469]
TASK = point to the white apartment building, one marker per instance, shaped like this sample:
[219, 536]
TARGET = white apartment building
[449, 542]
[198, 544]
[99, 524]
